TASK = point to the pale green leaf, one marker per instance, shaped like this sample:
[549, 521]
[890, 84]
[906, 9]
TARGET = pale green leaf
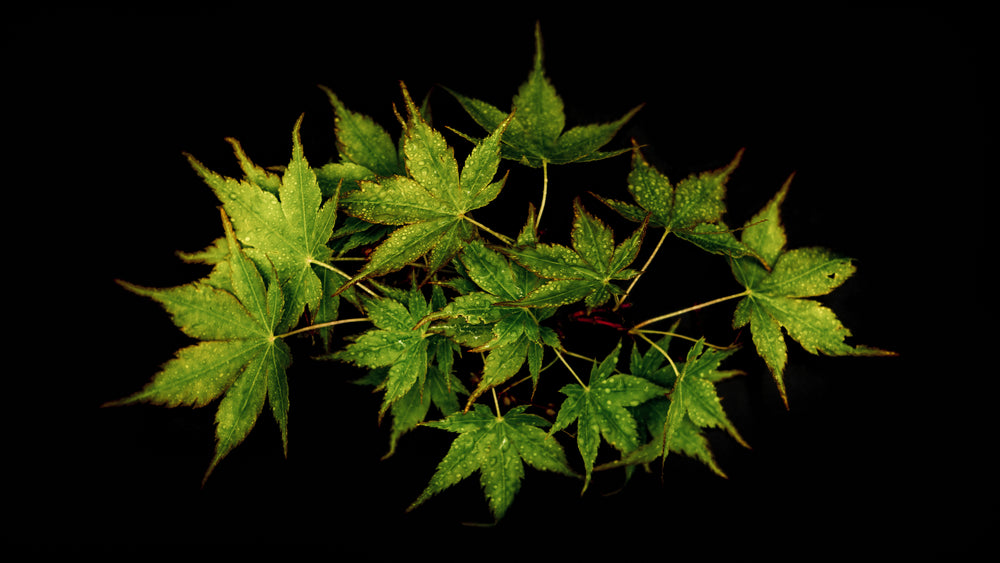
[497, 447]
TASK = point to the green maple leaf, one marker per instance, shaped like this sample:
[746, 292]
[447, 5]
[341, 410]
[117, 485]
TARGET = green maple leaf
[498, 447]
[398, 341]
[694, 400]
[366, 150]
[599, 409]
[431, 204]
[514, 335]
[238, 355]
[692, 209]
[776, 281]
[676, 423]
[438, 389]
[586, 271]
[536, 136]
[283, 222]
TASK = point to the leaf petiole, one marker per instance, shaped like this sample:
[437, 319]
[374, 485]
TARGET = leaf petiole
[504, 239]
[321, 325]
[496, 403]
[635, 329]
[685, 337]
[340, 272]
[565, 363]
[644, 268]
[581, 356]
[661, 351]
[545, 191]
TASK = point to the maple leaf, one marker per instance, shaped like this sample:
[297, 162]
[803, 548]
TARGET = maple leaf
[498, 447]
[515, 335]
[776, 281]
[282, 222]
[675, 423]
[438, 388]
[599, 409]
[366, 150]
[584, 272]
[430, 204]
[398, 341]
[234, 315]
[536, 136]
[692, 210]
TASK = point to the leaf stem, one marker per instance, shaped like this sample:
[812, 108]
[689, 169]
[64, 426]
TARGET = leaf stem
[581, 356]
[340, 272]
[565, 363]
[635, 329]
[504, 239]
[545, 192]
[661, 351]
[321, 325]
[645, 267]
[496, 403]
[684, 337]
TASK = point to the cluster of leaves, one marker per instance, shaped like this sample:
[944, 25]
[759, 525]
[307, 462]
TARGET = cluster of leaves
[457, 311]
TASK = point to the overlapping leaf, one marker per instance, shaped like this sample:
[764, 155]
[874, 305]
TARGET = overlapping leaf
[285, 223]
[497, 447]
[439, 389]
[400, 342]
[585, 272]
[599, 409]
[237, 356]
[430, 204]
[675, 424]
[536, 135]
[777, 280]
[514, 333]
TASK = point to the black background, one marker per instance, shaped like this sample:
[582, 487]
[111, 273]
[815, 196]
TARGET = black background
[880, 113]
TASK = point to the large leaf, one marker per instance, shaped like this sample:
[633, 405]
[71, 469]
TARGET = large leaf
[777, 280]
[237, 356]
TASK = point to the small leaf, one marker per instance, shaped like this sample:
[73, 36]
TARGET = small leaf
[599, 409]
[497, 447]
[584, 272]
[692, 209]
[431, 202]
[536, 134]
[363, 142]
